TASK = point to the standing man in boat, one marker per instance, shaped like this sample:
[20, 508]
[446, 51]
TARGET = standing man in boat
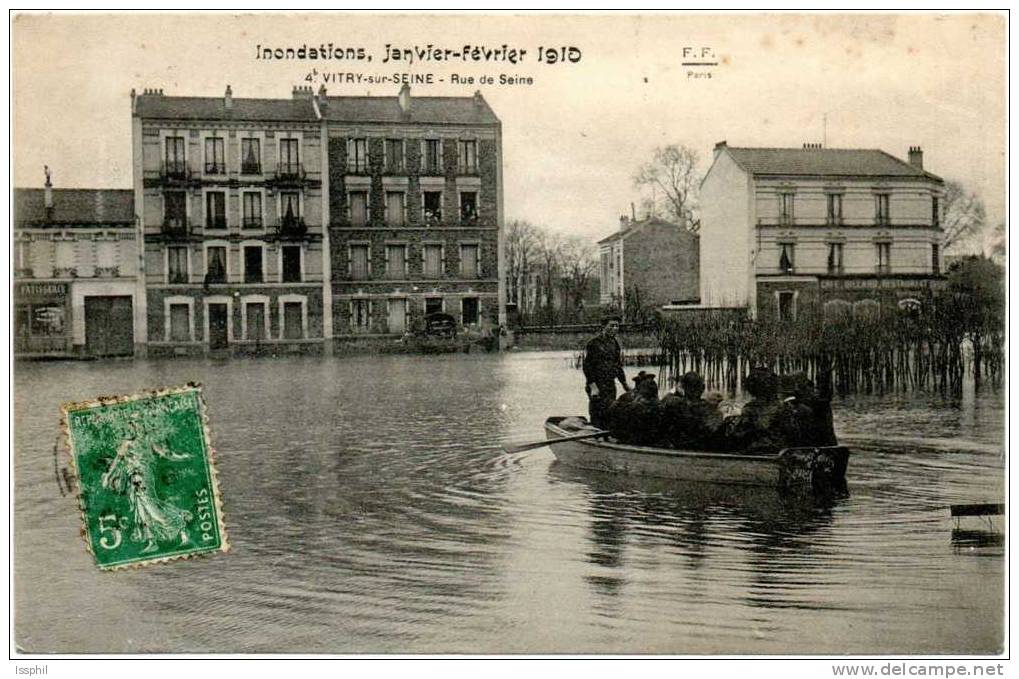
[603, 365]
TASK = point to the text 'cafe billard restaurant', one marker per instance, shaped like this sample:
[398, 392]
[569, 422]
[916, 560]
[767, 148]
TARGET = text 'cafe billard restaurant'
[42, 318]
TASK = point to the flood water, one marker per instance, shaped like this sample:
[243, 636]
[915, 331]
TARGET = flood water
[371, 508]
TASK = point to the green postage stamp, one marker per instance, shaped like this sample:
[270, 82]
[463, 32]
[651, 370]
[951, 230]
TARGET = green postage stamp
[146, 477]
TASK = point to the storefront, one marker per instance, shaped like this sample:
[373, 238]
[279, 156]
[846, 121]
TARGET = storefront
[42, 323]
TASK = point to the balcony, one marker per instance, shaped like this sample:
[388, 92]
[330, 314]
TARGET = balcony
[175, 171]
[359, 167]
[432, 217]
[174, 228]
[107, 272]
[215, 169]
[251, 168]
[213, 223]
[292, 228]
[65, 272]
[469, 169]
[289, 173]
[251, 223]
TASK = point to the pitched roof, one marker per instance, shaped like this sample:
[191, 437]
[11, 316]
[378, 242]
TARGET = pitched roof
[455, 110]
[214, 108]
[436, 110]
[80, 207]
[825, 162]
[635, 226]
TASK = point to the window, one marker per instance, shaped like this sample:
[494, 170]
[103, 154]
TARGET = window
[215, 158]
[394, 208]
[252, 263]
[468, 207]
[290, 209]
[293, 320]
[254, 314]
[935, 212]
[175, 210]
[935, 257]
[433, 305]
[360, 268]
[180, 323]
[432, 207]
[290, 156]
[394, 155]
[215, 210]
[881, 214]
[470, 264]
[469, 310]
[468, 156]
[786, 306]
[835, 258]
[396, 261]
[785, 208]
[291, 255]
[357, 157]
[432, 157]
[360, 315]
[176, 163]
[176, 265]
[40, 320]
[834, 208]
[251, 156]
[215, 264]
[787, 258]
[359, 208]
[884, 257]
[432, 261]
[252, 210]
[397, 316]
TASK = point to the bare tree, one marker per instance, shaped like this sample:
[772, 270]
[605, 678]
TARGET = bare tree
[964, 218]
[548, 252]
[578, 265]
[672, 177]
[521, 244]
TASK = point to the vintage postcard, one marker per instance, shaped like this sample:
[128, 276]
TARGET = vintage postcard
[630, 333]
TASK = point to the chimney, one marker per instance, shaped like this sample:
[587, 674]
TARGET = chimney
[404, 99]
[812, 146]
[303, 92]
[624, 222]
[48, 193]
[322, 95]
[228, 98]
[719, 147]
[916, 157]
[633, 211]
[478, 99]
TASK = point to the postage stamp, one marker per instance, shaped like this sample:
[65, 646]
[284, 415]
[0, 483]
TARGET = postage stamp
[147, 482]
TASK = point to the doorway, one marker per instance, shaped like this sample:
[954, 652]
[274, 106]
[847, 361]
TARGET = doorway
[218, 318]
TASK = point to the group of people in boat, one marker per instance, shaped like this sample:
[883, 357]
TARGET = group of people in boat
[781, 413]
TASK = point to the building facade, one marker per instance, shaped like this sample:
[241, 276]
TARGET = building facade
[790, 231]
[230, 197]
[415, 212]
[652, 260]
[75, 274]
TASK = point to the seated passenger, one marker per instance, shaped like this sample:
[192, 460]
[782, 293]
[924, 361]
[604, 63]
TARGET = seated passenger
[633, 417]
[756, 429]
[698, 421]
[809, 416]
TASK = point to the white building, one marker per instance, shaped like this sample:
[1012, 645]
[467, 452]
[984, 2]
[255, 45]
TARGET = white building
[785, 228]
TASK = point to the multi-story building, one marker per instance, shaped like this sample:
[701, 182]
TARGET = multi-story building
[230, 196]
[784, 231]
[415, 212]
[75, 266]
[653, 260]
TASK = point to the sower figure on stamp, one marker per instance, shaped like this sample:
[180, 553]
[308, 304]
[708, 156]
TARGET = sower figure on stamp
[603, 365]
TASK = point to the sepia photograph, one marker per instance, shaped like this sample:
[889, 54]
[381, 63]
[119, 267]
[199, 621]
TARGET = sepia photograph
[510, 335]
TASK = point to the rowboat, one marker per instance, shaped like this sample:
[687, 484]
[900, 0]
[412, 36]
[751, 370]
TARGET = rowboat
[817, 467]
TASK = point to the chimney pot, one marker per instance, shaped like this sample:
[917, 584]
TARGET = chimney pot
[228, 97]
[478, 99]
[404, 99]
[916, 157]
[48, 192]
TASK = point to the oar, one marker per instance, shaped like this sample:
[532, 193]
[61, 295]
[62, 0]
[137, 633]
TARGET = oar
[538, 444]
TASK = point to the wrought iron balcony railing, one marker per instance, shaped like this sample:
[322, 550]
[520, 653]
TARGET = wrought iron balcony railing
[177, 170]
[293, 227]
[251, 223]
[290, 172]
[175, 226]
[251, 168]
[215, 168]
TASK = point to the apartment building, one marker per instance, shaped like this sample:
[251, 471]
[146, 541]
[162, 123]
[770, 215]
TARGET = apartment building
[789, 231]
[229, 192]
[415, 212]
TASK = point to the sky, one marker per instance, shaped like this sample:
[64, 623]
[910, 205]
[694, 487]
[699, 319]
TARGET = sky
[573, 139]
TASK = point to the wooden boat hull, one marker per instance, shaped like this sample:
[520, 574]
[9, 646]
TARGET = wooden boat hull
[800, 467]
